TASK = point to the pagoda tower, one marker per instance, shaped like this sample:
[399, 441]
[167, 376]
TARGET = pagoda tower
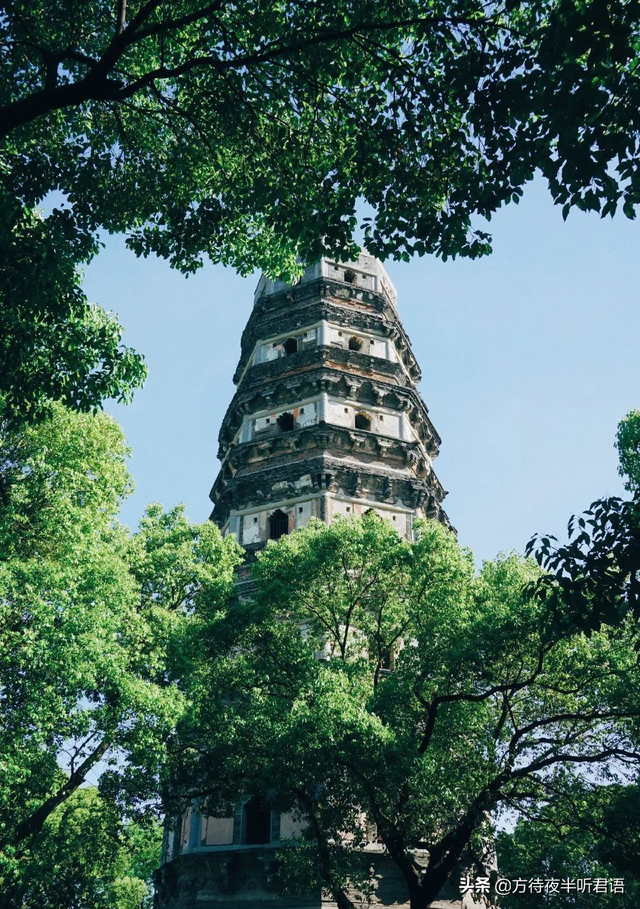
[326, 421]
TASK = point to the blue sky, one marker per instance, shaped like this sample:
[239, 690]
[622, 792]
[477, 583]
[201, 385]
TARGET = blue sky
[529, 359]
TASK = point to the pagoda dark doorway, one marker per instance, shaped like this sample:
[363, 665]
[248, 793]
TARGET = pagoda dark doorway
[362, 421]
[286, 422]
[290, 346]
[278, 525]
[256, 822]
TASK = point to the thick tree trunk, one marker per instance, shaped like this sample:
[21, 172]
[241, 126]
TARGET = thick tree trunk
[425, 885]
[407, 868]
[326, 870]
[121, 16]
[444, 857]
[435, 879]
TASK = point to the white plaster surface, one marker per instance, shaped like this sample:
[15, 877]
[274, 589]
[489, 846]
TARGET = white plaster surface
[303, 415]
[217, 831]
[255, 525]
[344, 508]
[272, 348]
[376, 347]
[383, 421]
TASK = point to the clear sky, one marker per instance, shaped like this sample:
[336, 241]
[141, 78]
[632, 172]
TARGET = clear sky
[529, 359]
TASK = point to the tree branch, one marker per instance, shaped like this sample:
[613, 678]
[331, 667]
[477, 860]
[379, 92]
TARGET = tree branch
[509, 687]
[563, 717]
[121, 17]
[97, 86]
[34, 823]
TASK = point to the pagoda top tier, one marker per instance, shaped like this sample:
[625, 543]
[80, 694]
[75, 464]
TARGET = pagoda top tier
[365, 272]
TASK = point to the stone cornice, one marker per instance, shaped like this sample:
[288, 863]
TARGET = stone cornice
[278, 483]
[289, 389]
[334, 302]
[365, 447]
[332, 355]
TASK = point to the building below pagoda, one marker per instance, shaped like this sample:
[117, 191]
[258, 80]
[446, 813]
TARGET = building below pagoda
[326, 422]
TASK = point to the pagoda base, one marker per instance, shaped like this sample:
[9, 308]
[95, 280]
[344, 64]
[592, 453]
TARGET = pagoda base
[247, 879]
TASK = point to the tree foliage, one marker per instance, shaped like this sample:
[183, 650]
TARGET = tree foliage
[628, 445]
[488, 706]
[92, 622]
[586, 832]
[226, 126]
[85, 857]
[247, 132]
[54, 345]
[591, 582]
[595, 577]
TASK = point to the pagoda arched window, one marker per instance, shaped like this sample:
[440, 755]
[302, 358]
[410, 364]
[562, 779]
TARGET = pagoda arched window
[286, 422]
[278, 525]
[355, 343]
[290, 346]
[363, 421]
[256, 822]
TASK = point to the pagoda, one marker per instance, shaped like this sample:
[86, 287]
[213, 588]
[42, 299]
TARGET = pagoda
[326, 421]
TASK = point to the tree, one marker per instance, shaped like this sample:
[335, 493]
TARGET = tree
[590, 582]
[595, 577]
[589, 832]
[54, 345]
[247, 132]
[85, 858]
[489, 703]
[93, 625]
[628, 445]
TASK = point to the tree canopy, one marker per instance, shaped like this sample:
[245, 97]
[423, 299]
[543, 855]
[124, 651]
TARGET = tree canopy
[383, 682]
[595, 577]
[591, 582]
[588, 832]
[247, 132]
[86, 857]
[54, 345]
[93, 626]
[628, 445]
[369, 682]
